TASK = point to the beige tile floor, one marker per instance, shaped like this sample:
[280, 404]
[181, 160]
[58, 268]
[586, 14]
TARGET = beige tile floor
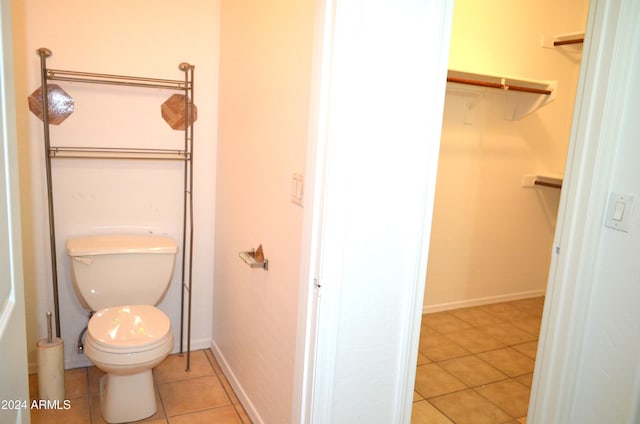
[202, 395]
[475, 365]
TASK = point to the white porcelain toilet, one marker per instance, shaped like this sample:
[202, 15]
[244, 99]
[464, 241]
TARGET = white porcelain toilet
[121, 278]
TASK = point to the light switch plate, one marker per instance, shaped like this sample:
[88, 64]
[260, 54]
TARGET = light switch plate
[619, 211]
[297, 188]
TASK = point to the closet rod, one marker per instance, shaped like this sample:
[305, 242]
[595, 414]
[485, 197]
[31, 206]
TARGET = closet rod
[546, 184]
[567, 42]
[92, 78]
[498, 85]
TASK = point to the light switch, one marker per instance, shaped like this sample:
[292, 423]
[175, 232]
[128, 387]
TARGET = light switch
[619, 211]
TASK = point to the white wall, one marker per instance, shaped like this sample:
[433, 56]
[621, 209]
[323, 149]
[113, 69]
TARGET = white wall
[144, 38]
[608, 383]
[607, 388]
[491, 237]
[265, 71]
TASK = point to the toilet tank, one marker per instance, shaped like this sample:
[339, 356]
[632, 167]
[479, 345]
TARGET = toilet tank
[116, 270]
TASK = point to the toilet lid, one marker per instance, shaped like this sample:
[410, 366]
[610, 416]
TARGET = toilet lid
[129, 326]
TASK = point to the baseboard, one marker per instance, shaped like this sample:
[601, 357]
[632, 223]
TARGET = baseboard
[235, 384]
[427, 309]
[195, 345]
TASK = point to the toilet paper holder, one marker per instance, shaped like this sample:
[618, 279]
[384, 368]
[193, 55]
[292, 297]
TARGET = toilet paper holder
[255, 258]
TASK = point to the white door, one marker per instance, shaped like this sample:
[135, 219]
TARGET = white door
[14, 387]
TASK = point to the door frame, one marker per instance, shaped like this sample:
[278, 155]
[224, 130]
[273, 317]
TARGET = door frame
[603, 82]
[14, 388]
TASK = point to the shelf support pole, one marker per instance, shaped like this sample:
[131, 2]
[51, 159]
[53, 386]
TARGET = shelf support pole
[187, 276]
[44, 53]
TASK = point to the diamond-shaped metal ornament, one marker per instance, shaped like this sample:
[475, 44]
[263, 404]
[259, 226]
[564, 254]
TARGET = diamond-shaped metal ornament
[173, 111]
[59, 102]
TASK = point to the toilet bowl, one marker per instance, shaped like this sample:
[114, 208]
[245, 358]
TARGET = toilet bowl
[126, 342]
[122, 278]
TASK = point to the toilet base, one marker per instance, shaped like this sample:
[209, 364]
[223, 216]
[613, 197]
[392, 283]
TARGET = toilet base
[125, 398]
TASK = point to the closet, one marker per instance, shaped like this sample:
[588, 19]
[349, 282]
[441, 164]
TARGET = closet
[508, 107]
[511, 85]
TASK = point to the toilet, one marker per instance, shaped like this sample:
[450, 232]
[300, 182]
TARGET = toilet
[122, 278]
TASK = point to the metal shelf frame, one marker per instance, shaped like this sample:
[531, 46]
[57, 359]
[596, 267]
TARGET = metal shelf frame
[186, 86]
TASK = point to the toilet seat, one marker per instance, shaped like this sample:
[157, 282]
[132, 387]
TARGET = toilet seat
[128, 338]
[133, 328]
[129, 329]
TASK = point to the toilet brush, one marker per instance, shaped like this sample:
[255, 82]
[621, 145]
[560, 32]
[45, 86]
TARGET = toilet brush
[49, 330]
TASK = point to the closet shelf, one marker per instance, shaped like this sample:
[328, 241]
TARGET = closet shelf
[523, 96]
[504, 83]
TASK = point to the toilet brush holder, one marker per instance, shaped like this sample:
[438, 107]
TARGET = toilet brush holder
[50, 366]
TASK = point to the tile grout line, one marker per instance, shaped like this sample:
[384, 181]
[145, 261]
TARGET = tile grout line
[498, 406]
[436, 329]
[216, 367]
[156, 387]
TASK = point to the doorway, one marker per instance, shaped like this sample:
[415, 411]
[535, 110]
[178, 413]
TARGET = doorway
[493, 224]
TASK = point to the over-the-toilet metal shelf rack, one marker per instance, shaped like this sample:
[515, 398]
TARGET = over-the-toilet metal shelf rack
[185, 155]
